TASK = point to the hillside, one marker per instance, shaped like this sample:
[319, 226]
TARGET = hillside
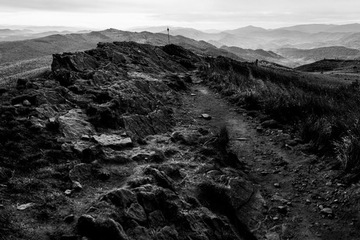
[252, 55]
[327, 65]
[316, 54]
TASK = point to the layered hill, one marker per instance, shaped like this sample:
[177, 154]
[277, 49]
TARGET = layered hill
[252, 55]
[328, 65]
[305, 56]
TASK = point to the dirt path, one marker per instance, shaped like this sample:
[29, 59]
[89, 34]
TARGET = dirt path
[302, 201]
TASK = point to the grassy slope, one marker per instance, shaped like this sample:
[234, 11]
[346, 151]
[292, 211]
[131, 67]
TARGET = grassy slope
[320, 53]
[325, 113]
[331, 65]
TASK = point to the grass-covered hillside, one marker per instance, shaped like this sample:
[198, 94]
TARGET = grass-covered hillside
[324, 113]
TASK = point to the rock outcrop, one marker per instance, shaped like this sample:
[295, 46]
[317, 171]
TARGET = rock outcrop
[97, 132]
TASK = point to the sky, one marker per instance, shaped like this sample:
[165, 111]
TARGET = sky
[200, 14]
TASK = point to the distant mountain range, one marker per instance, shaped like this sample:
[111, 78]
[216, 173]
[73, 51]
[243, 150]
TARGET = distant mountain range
[290, 46]
[38, 47]
[29, 55]
[7, 34]
[300, 36]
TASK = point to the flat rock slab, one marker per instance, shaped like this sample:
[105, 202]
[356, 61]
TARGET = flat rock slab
[73, 125]
[113, 141]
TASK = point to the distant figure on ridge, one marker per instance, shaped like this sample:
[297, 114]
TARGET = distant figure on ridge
[168, 35]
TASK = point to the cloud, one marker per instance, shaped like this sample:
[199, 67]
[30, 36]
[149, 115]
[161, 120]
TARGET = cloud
[200, 13]
[77, 5]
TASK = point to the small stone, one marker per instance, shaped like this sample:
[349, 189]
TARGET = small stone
[26, 103]
[275, 218]
[2, 206]
[52, 120]
[308, 201]
[24, 206]
[68, 192]
[270, 124]
[288, 147]
[76, 186]
[277, 185]
[193, 94]
[113, 141]
[69, 219]
[206, 116]
[259, 129]
[327, 211]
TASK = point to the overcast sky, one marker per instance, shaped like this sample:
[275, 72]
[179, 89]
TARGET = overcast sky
[201, 14]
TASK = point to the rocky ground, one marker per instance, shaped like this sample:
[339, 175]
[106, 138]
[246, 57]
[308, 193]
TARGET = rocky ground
[126, 141]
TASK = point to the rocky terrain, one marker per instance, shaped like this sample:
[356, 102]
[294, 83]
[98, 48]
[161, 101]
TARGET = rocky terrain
[130, 141]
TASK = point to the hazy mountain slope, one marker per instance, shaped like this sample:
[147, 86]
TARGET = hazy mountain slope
[252, 55]
[349, 66]
[319, 53]
[330, 28]
[310, 28]
[351, 41]
[247, 30]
